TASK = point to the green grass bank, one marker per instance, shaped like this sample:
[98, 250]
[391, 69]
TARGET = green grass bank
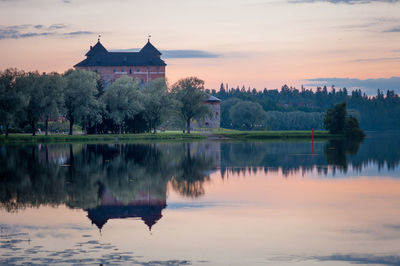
[261, 135]
[170, 136]
[218, 134]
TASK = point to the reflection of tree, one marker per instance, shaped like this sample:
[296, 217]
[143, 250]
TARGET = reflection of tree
[77, 175]
[26, 181]
[191, 173]
[336, 152]
[247, 153]
[290, 157]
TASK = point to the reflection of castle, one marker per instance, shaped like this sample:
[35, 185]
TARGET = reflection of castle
[147, 206]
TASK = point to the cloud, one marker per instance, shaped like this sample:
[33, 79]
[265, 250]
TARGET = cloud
[394, 29]
[188, 54]
[171, 54]
[377, 59]
[31, 31]
[57, 26]
[348, 2]
[361, 259]
[372, 24]
[395, 227]
[369, 86]
[77, 33]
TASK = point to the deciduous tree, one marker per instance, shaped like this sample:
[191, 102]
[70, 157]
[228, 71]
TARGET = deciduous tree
[157, 102]
[79, 95]
[53, 97]
[123, 100]
[189, 92]
[335, 118]
[12, 100]
[248, 115]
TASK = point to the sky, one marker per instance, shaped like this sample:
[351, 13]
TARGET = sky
[255, 43]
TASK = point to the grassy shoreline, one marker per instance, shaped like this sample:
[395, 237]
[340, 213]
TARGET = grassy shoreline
[265, 135]
[13, 138]
[219, 134]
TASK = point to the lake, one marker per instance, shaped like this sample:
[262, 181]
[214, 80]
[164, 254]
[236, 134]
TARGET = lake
[202, 203]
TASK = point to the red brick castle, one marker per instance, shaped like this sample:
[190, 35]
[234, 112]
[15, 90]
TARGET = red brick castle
[144, 65]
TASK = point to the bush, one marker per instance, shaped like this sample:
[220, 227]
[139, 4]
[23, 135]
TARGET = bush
[352, 128]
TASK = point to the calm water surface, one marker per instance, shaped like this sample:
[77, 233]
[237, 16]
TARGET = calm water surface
[203, 203]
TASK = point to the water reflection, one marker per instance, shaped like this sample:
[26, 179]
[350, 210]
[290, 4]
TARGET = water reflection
[131, 180]
[338, 151]
[109, 181]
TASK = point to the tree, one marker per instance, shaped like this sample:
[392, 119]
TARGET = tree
[337, 122]
[97, 121]
[12, 100]
[225, 108]
[335, 118]
[32, 87]
[53, 97]
[123, 100]
[189, 92]
[247, 115]
[79, 95]
[157, 102]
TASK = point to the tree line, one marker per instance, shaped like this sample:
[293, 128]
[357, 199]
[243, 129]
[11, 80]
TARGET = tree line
[306, 107]
[79, 96]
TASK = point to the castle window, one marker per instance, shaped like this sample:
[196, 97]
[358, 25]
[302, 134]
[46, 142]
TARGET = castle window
[122, 70]
[114, 70]
[138, 70]
[130, 71]
[216, 113]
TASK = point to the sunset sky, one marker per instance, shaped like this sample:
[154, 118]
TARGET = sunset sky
[256, 43]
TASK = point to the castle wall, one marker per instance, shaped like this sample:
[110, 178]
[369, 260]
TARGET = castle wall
[141, 73]
[215, 120]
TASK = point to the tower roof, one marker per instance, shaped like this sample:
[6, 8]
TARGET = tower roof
[98, 48]
[149, 48]
[212, 98]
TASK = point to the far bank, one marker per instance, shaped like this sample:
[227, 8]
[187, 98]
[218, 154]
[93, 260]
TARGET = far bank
[220, 134]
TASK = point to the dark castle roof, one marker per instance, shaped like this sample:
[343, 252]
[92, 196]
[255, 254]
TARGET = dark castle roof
[97, 49]
[212, 98]
[150, 214]
[150, 49]
[99, 56]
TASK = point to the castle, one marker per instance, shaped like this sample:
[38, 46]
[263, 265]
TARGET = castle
[144, 65]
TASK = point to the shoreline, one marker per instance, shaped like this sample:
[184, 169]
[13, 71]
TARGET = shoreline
[222, 135]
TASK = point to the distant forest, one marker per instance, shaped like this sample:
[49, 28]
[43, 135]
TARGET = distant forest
[290, 108]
